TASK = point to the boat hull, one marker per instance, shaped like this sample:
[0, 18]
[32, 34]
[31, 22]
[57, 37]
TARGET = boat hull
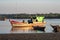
[38, 28]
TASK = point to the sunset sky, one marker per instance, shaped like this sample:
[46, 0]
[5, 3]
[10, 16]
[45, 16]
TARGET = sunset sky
[29, 6]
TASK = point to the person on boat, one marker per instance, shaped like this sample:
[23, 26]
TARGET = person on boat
[40, 18]
[30, 21]
[23, 21]
[34, 19]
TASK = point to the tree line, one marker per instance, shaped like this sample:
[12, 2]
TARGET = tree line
[26, 16]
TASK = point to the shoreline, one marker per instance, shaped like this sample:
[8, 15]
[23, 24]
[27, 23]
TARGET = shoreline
[31, 36]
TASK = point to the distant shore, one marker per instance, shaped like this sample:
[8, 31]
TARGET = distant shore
[27, 16]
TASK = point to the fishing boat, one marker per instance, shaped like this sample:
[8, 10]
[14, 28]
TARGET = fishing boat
[29, 25]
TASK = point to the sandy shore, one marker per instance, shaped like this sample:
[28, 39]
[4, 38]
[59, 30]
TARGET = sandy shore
[31, 36]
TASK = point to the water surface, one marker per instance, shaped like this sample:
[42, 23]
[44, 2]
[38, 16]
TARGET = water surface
[5, 26]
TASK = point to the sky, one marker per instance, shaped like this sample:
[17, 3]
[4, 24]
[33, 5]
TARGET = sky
[29, 6]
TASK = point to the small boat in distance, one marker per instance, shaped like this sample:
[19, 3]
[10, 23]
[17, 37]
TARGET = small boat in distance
[56, 28]
[28, 25]
[2, 19]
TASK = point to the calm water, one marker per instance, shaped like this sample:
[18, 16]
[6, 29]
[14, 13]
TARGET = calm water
[5, 26]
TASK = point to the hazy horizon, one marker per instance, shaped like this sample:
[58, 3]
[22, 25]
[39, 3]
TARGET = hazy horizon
[29, 6]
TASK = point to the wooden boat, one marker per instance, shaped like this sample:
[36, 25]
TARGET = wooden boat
[30, 24]
[21, 24]
[25, 25]
[56, 28]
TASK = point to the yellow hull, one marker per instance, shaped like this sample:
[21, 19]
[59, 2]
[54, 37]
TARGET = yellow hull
[29, 25]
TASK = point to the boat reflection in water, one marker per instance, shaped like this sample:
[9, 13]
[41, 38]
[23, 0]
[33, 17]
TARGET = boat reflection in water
[25, 30]
[21, 28]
